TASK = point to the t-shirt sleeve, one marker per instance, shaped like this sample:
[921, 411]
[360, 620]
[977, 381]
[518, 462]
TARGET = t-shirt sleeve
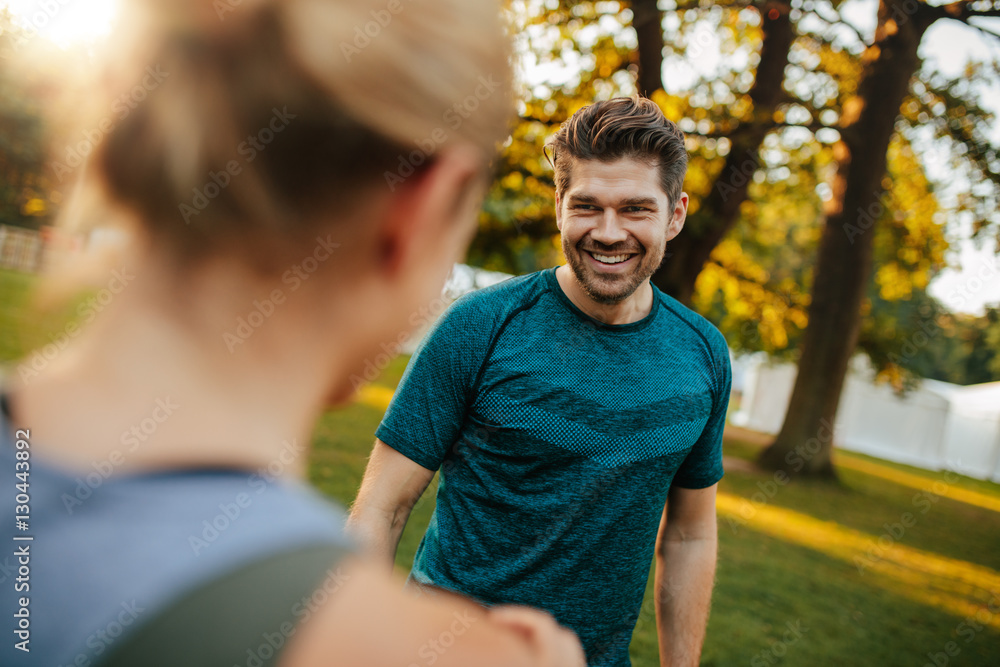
[426, 413]
[703, 466]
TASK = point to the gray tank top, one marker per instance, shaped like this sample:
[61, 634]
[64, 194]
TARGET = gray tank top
[112, 559]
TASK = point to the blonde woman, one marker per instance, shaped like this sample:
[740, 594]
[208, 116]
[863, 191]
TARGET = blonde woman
[297, 181]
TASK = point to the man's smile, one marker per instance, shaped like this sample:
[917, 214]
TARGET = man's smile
[618, 260]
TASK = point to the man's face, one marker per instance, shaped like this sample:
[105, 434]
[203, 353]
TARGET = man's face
[615, 221]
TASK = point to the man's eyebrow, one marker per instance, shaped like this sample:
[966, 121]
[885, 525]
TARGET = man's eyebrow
[583, 198]
[639, 201]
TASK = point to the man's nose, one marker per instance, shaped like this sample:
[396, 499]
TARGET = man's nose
[609, 230]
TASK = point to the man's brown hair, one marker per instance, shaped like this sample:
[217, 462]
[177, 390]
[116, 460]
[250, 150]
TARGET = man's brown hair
[625, 127]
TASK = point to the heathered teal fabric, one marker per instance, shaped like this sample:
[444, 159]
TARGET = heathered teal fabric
[557, 438]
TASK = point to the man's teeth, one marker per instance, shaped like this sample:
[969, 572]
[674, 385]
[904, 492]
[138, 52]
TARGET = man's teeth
[610, 259]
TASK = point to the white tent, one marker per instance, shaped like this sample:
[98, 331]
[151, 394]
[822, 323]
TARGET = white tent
[972, 432]
[873, 419]
[936, 426]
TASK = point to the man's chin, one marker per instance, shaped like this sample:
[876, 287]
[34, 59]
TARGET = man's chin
[606, 288]
[606, 299]
[609, 290]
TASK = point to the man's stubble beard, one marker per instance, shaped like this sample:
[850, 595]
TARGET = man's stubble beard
[617, 289]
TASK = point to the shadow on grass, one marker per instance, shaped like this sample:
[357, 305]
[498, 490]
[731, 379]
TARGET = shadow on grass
[920, 513]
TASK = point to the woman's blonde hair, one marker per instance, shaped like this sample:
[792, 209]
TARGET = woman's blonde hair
[266, 119]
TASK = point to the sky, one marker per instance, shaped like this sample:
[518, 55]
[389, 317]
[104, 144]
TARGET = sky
[65, 21]
[972, 280]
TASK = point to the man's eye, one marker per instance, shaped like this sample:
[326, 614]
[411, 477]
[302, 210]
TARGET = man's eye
[635, 209]
[584, 207]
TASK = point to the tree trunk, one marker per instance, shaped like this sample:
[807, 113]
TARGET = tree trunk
[687, 254]
[843, 266]
[647, 20]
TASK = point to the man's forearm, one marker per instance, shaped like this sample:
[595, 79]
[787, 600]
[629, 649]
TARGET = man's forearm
[685, 574]
[377, 532]
[391, 487]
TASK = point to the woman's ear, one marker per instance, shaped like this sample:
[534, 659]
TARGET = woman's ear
[430, 216]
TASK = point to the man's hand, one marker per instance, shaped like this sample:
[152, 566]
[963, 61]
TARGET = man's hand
[686, 548]
[390, 488]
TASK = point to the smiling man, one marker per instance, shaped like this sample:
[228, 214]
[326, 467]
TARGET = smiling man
[575, 414]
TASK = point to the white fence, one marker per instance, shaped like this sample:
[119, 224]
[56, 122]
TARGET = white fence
[21, 249]
[936, 426]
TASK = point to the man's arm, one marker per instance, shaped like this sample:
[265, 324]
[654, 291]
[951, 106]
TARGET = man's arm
[686, 549]
[390, 488]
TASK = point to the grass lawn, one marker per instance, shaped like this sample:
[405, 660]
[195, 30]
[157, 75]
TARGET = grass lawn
[815, 574]
[13, 296]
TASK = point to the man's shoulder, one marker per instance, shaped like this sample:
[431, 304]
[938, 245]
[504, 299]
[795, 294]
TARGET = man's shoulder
[476, 317]
[681, 315]
[500, 300]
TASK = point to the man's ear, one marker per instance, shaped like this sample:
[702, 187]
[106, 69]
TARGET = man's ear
[427, 211]
[558, 211]
[677, 216]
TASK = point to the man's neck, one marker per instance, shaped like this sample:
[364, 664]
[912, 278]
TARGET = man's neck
[631, 309]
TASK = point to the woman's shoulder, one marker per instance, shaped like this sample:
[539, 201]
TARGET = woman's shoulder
[108, 551]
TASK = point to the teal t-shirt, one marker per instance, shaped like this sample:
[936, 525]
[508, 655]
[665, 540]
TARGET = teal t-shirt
[557, 438]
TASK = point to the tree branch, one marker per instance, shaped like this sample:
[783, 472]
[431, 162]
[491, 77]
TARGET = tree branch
[983, 29]
[838, 20]
[730, 4]
[987, 13]
[960, 11]
[813, 127]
